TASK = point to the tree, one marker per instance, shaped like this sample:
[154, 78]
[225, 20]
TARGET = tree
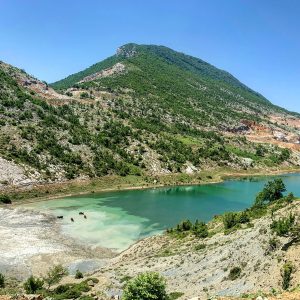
[272, 191]
[33, 284]
[146, 286]
[55, 275]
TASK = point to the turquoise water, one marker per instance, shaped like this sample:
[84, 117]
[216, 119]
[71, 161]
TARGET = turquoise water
[117, 219]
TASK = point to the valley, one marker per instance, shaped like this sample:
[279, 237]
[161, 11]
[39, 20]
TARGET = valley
[128, 148]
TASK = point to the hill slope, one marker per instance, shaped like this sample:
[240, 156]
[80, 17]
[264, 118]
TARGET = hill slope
[146, 110]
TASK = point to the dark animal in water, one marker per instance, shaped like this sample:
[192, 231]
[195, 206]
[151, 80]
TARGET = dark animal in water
[72, 219]
[85, 216]
[81, 213]
[60, 217]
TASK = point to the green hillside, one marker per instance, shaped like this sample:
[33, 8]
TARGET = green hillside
[162, 112]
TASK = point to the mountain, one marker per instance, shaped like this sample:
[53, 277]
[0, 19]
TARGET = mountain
[147, 110]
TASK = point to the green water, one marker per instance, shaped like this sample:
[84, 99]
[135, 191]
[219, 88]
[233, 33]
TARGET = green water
[118, 219]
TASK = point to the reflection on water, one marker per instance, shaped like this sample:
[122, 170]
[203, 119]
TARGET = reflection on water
[118, 219]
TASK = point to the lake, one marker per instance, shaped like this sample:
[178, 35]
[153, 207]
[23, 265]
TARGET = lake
[118, 219]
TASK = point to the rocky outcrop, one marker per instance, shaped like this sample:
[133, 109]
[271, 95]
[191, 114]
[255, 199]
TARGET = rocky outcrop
[34, 85]
[118, 68]
[14, 175]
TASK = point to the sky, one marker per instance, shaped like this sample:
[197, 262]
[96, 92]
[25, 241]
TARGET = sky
[258, 41]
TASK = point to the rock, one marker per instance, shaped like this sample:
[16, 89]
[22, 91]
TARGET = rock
[91, 283]
[247, 162]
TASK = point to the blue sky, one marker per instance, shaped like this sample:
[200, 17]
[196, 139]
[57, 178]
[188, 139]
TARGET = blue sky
[258, 41]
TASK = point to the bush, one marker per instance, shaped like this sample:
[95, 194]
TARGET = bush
[2, 281]
[5, 199]
[273, 244]
[235, 273]
[286, 274]
[283, 226]
[78, 274]
[185, 225]
[70, 291]
[200, 229]
[230, 220]
[149, 285]
[33, 284]
[242, 217]
[200, 247]
[175, 295]
[289, 198]
[84, 95]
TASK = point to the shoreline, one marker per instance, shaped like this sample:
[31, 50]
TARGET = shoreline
[34, 241]
[219, 178]
[78, 253]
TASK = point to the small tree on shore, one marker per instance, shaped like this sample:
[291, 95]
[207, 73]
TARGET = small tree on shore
[272, 191]
[55, 275]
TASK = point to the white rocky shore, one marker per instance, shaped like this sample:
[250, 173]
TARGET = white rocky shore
[31, 242]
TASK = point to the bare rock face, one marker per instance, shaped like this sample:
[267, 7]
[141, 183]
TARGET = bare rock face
[13, 174]
[126, 52]
[36, 86]
[116, 69]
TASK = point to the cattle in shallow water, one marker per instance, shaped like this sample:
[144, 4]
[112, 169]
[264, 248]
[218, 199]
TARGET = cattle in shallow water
[72, 219]
[60, 217]
[81, 213]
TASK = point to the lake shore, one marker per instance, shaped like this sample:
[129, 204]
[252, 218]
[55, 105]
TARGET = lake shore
[33, 241]
[50, 191]
[40, 236]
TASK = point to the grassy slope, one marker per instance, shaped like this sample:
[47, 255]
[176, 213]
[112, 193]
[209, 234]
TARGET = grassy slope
[167, 106]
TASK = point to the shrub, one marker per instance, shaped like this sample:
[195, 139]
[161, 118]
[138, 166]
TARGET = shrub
[242, 217]
[200, 229]
[283, 226]
[33, 284]
[78, 274]
[200, 247]
[149, 285]
[70, 291]
[286, 274]
[175, 295]
[235, 273]
[2, 281]
[273, 244]
[289, 198]
[185, 225]
[229, 220]
[5, 199]
[84, 95]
